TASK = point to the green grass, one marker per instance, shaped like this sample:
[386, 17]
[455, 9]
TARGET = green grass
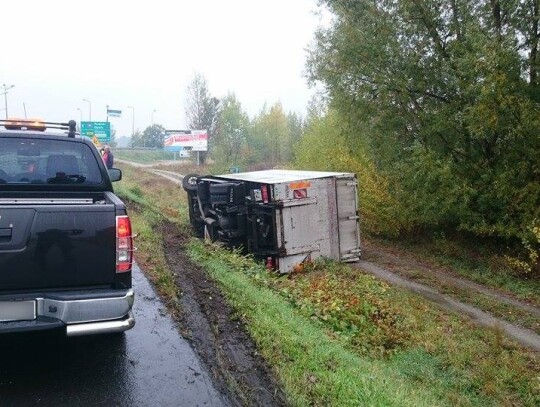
[413, 345]
[314, 369]
[146, 218]
[146, 156]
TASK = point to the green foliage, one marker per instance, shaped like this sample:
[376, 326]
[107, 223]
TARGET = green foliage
[230, 138]
[334, 311]
[273, 135]
[143, 156]
[153, 136]
[326, 146]
[137, 139]
[201, 109]
[313, 368]
[444, 98]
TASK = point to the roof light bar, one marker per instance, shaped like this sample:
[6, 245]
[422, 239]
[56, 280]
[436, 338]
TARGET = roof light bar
[39, 125]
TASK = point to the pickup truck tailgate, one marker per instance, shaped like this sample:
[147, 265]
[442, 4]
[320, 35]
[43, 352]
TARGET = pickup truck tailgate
[57, 246]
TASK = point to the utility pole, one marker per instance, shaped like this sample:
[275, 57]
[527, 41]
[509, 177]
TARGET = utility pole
[24, 107]
[152, 121]
[6, 88]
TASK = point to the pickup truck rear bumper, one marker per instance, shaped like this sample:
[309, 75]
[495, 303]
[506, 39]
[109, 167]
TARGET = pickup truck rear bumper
[82, 313]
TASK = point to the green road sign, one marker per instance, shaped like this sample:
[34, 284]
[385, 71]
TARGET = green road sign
[99, 132]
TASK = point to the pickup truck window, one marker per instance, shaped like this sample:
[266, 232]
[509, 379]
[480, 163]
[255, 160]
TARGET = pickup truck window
[34, 161]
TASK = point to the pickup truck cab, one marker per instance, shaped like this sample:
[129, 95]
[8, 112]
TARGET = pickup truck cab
[65, 238]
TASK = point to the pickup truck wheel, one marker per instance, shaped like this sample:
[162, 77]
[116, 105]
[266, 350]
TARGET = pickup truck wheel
[189, 182]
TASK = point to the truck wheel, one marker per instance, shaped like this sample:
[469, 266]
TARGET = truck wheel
[189, 182]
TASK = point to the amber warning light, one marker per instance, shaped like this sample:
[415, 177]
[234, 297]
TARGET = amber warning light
[24, 124]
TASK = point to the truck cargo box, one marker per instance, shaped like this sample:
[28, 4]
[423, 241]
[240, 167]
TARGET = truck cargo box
[284, 217]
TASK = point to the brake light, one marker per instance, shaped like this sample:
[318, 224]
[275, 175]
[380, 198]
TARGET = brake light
[264, 193]
[124, 244]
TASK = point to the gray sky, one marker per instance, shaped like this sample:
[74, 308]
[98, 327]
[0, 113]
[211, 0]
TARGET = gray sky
[144, 53]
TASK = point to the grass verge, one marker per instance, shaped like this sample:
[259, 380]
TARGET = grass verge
[339, 337]
[140, 191]
[145, 156]
[314, 369]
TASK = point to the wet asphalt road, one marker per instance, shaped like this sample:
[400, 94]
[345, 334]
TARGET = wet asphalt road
[151, 365]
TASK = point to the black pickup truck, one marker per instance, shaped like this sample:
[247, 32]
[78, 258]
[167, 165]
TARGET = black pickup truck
[65, 238]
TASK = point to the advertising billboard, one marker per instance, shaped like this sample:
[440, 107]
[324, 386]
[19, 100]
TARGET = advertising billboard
[191, 140]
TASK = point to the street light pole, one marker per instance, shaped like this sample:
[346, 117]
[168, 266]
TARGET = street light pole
[80, 113]
[24, 107]
[89, 109]
[132, 125]
[152, 121]
[6, 88]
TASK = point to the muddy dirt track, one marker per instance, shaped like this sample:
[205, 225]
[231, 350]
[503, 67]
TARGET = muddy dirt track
[216, 334]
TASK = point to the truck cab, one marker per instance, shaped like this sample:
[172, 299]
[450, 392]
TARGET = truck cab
[66, 248]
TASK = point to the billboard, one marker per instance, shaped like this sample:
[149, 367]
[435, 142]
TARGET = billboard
[191, 140]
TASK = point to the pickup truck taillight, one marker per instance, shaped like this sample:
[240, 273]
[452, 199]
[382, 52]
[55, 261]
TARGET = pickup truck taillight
[124, 244]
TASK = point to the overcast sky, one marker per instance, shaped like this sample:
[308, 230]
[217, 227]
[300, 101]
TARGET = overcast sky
[144, 53]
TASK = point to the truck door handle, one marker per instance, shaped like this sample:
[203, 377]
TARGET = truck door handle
[6, 232]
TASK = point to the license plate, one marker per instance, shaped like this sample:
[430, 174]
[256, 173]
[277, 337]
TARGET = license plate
[17, 311]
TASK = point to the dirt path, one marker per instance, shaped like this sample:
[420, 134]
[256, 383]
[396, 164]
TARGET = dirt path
[524, 336]
[133, 163]
[169, 175]
[404, 264]
[217, 333]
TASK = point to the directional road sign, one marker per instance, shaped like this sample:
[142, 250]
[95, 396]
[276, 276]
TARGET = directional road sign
[99, 132]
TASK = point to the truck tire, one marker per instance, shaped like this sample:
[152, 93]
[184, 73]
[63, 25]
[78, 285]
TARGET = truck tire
[189, 182]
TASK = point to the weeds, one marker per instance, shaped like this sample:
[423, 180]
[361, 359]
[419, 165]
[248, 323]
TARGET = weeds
[431, 349]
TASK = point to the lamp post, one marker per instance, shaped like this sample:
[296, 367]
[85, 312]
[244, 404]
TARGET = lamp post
[89, 109]
[132, 125]
[80, 114]
[24, 107]
[6, 88]
[152, 121]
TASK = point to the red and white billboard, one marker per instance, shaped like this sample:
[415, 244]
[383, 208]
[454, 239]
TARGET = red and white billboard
[196, 140]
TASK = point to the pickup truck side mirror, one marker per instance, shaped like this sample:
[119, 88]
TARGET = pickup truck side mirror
[115, 174]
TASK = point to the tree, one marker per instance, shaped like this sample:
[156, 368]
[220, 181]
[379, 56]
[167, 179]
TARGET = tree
[137, 139]
[112, 143]
[231, 132]
[153, 136]
[444, 97]
[270, 136]
[201, 109]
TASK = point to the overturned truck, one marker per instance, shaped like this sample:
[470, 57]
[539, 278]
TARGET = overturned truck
[284, 217]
